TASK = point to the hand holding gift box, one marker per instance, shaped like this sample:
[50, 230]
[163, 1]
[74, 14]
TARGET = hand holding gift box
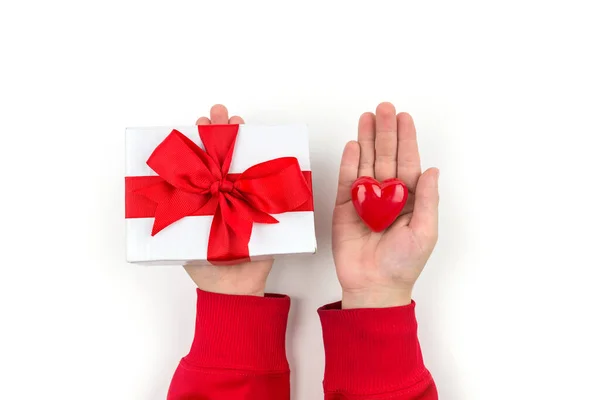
[241, 192]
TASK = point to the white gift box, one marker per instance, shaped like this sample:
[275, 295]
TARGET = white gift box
[186, 241]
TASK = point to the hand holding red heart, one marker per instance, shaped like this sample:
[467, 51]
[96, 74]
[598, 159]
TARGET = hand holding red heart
[379, 269]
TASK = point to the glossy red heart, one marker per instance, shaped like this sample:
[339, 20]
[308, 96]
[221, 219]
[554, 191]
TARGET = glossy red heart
[378, 203]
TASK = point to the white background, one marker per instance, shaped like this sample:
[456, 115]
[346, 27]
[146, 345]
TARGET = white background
[506, 96]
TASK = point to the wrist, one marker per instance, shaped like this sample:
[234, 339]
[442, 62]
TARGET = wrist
[235, 290]
[376, 298]
[247, 279]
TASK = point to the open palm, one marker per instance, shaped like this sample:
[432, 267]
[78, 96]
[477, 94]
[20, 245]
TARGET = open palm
[380, 269]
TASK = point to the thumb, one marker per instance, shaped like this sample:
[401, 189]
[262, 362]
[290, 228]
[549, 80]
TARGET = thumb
[424, 221]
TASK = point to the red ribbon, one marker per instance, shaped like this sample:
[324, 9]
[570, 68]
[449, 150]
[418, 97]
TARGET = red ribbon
[192, 181]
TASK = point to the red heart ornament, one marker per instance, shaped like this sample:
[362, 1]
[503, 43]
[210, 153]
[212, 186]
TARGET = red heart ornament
[378, 203]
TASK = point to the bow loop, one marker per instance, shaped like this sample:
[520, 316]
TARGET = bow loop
[183, 164]
[258, 181]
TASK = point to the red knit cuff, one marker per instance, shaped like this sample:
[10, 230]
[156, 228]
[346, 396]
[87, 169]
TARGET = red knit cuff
[372, 350]
[240, 332]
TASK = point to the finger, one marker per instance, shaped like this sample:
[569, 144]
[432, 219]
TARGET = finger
[236, 120]
[218, 114]
[386, 142]
[348, 171]
[203, 121]
[366, 140]
[424, 221]
[409, 161]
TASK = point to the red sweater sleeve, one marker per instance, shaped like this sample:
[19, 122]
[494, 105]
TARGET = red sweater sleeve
[238, 350]
[374, 354]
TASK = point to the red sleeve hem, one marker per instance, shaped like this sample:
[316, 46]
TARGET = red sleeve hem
[240, 332]
[370, 351]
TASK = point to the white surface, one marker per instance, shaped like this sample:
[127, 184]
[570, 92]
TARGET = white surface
[506, 96]
[187, 239]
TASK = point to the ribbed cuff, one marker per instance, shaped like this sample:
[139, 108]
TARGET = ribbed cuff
[240, 332]
[371, 350]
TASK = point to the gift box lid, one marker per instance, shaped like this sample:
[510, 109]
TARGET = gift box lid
[186, 241]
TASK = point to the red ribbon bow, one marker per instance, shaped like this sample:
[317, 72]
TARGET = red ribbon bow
[193, 181]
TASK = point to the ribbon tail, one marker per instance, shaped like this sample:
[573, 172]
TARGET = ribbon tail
[230, 232]
[262, 217]
[178, 205]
